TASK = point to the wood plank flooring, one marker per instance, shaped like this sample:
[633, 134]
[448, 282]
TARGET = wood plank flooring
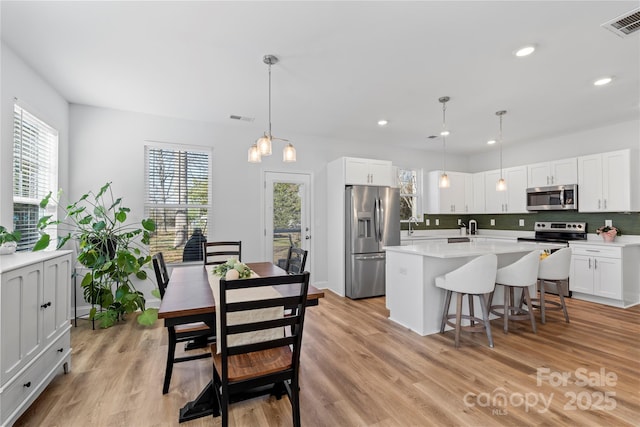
[360, 369]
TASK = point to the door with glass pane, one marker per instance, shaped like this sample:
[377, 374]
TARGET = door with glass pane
[287, 215]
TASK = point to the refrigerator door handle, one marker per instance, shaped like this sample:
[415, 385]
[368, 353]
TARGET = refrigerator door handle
[380, 222]
[376, 219]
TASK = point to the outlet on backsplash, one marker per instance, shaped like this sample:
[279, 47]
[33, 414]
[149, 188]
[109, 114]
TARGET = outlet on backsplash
[608, 223]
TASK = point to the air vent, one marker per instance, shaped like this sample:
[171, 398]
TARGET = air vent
[624, 25]
[432, 136]
[244, 119]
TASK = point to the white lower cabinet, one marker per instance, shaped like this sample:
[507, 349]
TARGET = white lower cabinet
[34, 326]
[606, 274]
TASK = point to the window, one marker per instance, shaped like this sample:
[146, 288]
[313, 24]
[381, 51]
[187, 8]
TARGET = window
[408, 181]
[178, 199]
[35, 173]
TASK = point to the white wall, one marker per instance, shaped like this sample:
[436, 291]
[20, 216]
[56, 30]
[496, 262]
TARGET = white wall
[41, 99]
[609, 138]
[108, 145]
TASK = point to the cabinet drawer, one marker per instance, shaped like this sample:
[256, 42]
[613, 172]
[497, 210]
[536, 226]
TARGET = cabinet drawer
[28, 385]
[594, 250]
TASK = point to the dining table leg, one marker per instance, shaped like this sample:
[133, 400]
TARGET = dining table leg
[205, 404]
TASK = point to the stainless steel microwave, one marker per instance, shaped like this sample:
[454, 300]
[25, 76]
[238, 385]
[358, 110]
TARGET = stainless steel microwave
[556, 197]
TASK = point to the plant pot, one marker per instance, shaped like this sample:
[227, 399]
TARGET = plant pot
[609, 236]
[8, 248]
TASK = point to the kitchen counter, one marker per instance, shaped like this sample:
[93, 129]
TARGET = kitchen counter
[413, 299]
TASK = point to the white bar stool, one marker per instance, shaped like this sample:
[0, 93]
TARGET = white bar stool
[554, 269]
[520, 274]
[477, 277]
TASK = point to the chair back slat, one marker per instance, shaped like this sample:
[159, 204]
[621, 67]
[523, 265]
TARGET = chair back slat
[296, 260]
[262, 345]
[218, 252]
[160, 269]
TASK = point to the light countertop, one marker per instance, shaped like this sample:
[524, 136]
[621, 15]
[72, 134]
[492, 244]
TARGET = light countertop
[21, 259]
[466, 249]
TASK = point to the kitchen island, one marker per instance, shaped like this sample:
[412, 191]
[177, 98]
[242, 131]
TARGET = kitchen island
[412, 297]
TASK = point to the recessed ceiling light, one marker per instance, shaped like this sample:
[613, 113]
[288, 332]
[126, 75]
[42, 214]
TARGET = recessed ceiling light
[525, 51]
[603, 81]
[445, 133]
[382, 122]
[491, 141]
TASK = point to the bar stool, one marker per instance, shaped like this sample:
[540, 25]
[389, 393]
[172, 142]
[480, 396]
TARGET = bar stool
[554, 269]
[477, 277]
[520, 274]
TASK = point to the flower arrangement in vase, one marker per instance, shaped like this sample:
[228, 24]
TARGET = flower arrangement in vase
[608, 232]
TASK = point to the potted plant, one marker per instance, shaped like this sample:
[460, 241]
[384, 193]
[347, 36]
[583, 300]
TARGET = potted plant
[109, 248]
[8, 240]
[608, 232]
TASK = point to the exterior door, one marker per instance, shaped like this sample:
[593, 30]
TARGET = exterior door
[287, 215]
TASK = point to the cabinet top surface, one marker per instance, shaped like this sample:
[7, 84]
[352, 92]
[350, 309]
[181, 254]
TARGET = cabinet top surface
[466, 249]
[21, 259]
[617, 243]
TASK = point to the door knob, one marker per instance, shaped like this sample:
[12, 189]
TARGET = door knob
[307, 237]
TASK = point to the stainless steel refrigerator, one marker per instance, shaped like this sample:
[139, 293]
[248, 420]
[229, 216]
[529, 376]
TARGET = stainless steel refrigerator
[372, 220]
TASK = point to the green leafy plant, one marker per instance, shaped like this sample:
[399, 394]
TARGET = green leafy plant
[111, 249]
[242, 271]
[6, 236]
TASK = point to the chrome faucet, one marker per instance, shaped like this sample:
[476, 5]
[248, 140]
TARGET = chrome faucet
[412, 220]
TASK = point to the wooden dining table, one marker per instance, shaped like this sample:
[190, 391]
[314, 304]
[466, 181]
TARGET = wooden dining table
[189, 298]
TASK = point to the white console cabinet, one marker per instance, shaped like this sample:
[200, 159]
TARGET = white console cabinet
[35, 326]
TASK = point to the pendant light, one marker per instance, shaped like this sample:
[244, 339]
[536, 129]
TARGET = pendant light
[444, 178]
[501, 185]
[262, 147]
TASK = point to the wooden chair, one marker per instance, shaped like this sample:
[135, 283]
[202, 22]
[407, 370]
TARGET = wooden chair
[477, 277]
[296, 260]
[218, 252]
[242, 367]
[180, 333]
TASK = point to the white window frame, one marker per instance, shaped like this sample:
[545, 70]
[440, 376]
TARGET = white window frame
[419, 195]
[149, 204]
[46, 147]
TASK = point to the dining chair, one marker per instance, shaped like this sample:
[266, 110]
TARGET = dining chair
[179, 333]
[522, 274]
[218, 252]
[475, 278]
[296, 260]
[242, 365]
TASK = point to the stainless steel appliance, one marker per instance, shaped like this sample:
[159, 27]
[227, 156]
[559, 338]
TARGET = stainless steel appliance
[557, 197]
[559, 234]
[372, 221]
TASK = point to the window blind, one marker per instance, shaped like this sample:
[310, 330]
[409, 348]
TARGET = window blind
[177, 197]
[35, 158]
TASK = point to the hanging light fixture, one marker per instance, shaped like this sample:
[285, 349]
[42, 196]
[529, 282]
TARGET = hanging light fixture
[501, 185]
[262, 147]
[444, 178]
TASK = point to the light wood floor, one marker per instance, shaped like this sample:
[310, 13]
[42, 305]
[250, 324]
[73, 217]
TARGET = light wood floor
[359, 369]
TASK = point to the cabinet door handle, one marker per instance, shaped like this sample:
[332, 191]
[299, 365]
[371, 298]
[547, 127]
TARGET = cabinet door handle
[605, 203]
[598, 203]
[60, 350]
[589, 263]
[595, 263]
[593, 250]
[552, 179]
[45, 305]
[27, 384]
[547, 180]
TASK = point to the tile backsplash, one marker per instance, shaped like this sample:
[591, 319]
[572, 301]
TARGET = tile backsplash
[628, 223]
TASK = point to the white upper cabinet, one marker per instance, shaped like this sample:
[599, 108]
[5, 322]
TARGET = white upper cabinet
[604, 182]
[478, 197]
[368, 172]
[559, 172]
[514, 199]
[454, 199]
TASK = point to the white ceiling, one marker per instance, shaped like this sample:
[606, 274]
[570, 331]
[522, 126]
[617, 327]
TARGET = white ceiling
[343, 65]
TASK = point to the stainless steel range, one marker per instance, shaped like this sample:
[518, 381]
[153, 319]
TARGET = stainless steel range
[558, 233]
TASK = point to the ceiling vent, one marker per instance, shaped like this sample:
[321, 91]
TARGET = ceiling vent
[432, 136]
[625, 25]
[243, 118]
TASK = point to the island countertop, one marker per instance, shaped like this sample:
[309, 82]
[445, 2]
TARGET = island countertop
[467, 249]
